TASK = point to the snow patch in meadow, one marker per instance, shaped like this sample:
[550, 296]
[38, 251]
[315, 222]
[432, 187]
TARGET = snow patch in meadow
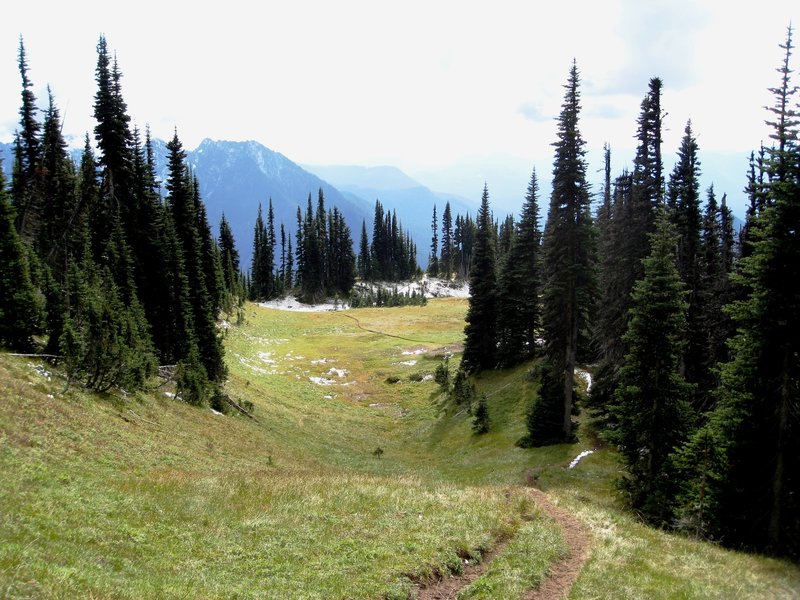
[294, 305]
[266, 357]
[430, 287]
[408, 363]
[579, 458]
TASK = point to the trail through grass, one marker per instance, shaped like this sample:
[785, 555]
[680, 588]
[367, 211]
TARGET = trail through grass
[144, 497]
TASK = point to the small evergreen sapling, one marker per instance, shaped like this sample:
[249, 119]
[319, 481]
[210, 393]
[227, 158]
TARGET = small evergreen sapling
[480, 421]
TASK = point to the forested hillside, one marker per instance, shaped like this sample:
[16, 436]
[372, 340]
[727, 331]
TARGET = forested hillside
[691, 327]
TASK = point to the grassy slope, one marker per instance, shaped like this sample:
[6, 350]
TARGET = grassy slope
[144, 497]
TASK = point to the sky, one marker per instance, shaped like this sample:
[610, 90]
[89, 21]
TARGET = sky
[449, 91]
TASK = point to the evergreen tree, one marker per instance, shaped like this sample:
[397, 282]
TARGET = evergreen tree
[289, 268]
[609, 273]
[229, 256]
[280, 279]
[261, 267]
[364, 268]
[269, 271]
[755, 483]
[181, 203]
[342, 259]
[652, 409]
[113, 137]
[480, 332]
[624, 242]
[312, 285]
[568, 252]
[104, 342]
[447, 252]
[518, 285]
[26, 198]
[504, 237]
[433, 258]
[209, 252]
[56, 182]
[380, 247]
[684, 204]
[480, 420]
[20, 304]
[300, 248]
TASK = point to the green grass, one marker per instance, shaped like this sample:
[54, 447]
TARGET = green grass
[144, 497]
[522, 565]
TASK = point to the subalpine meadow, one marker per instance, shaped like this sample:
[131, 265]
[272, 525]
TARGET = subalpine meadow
[358, 478]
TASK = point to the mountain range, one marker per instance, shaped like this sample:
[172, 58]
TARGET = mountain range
[235, 177]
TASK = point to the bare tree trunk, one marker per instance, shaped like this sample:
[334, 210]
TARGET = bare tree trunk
[775, 515]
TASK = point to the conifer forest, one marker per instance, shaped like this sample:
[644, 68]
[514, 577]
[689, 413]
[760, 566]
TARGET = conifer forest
[689, 325]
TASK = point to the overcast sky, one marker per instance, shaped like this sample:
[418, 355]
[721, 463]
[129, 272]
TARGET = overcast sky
[420, 85]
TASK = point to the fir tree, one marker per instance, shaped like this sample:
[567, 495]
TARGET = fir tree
[342, 259]
[447, 252]
[210, 260]
[433, 258]
[261, 266]
[56, 182]
[624, 240]
[229, 256]
[480, 332]
[181, 203]
[684, 205]
[518, 285]
[652, 408]
[568, 252]
[364, 268]
[756, 424]
[464, 241]
[289, 268]
[26, 199]
[20, 304]
[480, 420]
[609, 273]
[113, 137]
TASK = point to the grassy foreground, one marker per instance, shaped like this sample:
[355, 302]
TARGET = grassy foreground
[358, 480]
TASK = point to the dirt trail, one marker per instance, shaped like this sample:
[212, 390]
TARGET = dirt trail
[561, 574]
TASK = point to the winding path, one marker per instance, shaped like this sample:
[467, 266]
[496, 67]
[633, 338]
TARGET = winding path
[560, 577]
[562, 574]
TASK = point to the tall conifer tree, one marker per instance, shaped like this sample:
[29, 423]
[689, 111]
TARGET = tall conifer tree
[568, 255]
[480, 339]
[20, 304]
[26, 199]
[652, 408]
[518, 287]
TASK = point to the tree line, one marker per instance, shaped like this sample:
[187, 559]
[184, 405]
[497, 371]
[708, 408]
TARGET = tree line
[98, 268]
[692, 328]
